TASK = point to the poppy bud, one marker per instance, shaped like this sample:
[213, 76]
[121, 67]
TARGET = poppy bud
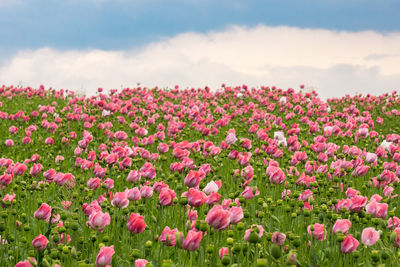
[226, 260]
[375, 255]
[135, 253]
[253, 238]
[210, 249]
[167, 263]
[276, 252]
[45, 263]
[262, 263]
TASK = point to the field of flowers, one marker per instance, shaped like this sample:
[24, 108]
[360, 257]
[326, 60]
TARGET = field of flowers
[232, 177]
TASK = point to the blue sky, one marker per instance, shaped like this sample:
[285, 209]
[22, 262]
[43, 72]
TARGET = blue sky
[35, 33]
[120, 24]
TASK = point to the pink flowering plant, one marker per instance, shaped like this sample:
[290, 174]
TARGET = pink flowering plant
[235, 176]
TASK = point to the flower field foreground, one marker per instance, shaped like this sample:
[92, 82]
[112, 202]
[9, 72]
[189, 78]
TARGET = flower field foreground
[236, 177]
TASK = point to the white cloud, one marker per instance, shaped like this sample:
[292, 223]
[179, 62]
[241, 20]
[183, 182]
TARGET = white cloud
[335, 63]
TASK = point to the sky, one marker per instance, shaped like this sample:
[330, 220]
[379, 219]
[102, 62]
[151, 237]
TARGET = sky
[335, 47]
